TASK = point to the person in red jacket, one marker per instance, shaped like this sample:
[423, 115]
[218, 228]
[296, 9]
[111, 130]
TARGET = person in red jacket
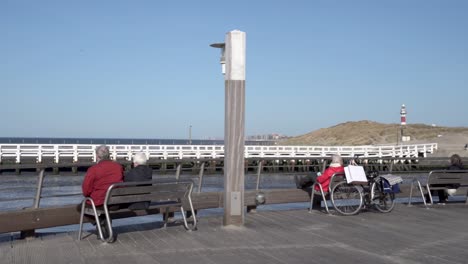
[336, 166]
[97, 180]
[99, 177]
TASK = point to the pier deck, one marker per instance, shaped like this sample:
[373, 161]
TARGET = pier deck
[406, 235]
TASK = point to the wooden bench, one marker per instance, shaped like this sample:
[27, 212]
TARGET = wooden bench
[160, 194]
[440, 180]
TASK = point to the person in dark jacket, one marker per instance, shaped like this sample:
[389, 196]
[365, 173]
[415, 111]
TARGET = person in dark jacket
[455, 164]
[140, 172]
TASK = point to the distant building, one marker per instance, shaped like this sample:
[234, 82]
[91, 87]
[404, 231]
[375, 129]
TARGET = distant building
[266, 137]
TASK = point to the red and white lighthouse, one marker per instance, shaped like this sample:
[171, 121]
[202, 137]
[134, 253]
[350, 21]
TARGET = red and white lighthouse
[403, 115]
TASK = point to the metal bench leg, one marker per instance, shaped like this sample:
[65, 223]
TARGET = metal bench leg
[312, 198]
[98, 225]
[182, 211]
[422, 194]
[108, 222]
[430, 195]
[81, 219]
[324, 200]
[166, 216]
[194, 225]
[96, 217]
[466, 201]
[411, 193]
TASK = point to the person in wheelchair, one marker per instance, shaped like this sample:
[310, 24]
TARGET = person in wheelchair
[305, 181]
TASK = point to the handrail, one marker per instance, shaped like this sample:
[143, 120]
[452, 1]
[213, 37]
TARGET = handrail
[82, 152]
[40, 186]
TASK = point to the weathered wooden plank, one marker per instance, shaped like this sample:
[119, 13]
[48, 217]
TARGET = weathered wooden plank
[406, 235]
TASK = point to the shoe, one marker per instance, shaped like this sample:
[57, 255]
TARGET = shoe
[426, 197]
[442, 202]
[105, 231]
[317, 208]
[104, 228]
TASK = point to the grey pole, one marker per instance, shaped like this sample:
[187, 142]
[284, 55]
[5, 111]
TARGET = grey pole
[234, 119]
[177, 175]
[259, 170]
[40, 181]
[190, 135]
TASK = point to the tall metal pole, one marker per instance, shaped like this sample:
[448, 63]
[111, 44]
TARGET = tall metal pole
[190, 135]
[234, 119]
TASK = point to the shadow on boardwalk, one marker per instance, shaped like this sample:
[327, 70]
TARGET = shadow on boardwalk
[406, 235]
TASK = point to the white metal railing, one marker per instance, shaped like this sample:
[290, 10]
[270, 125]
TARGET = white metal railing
[80, 152]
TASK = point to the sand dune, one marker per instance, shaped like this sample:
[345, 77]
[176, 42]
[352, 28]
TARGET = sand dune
[450, 139]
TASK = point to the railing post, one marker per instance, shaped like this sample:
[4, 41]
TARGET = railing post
[179, 166]
[200, 176]
[40, 181]
[324, 165]
[259, 171]
[39, 154]
[31, 233]
[18, 153]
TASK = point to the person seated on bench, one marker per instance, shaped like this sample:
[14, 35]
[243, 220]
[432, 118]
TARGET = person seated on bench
[99, 177]
[140, 172]
[302, 182]
[455, 164]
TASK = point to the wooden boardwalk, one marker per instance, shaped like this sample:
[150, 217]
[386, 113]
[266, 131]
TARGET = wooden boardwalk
[406, 235]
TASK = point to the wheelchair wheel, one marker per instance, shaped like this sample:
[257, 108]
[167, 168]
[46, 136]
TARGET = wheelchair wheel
[346, 198]
[383, 201]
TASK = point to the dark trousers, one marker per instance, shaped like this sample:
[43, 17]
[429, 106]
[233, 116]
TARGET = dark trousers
[102, 217]
[443, 197]
[305, 181]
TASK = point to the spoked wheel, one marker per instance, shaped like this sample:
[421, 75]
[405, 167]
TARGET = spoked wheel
[346, 198]
[383, 201]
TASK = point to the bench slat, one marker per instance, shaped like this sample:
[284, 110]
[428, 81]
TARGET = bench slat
[448, 177]
[149, 189]
[153, 197]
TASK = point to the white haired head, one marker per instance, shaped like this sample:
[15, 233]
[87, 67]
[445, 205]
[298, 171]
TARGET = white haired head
[337, 160]
[102, 152]
[139, 158]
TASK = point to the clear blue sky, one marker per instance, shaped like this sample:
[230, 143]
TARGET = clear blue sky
[144, 69]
